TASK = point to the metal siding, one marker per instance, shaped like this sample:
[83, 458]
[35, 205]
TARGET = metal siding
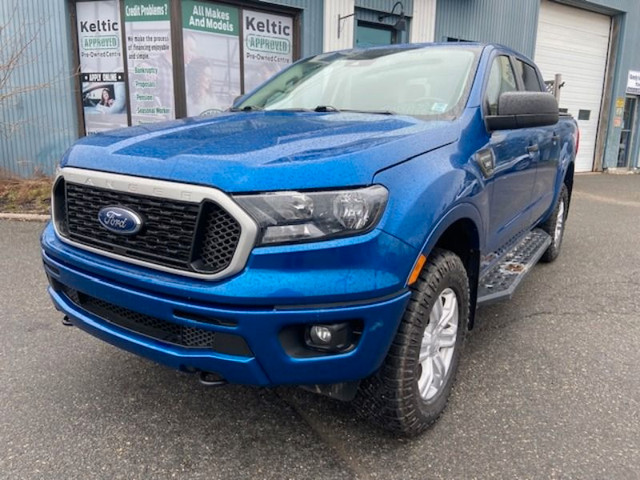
[332, 10]
[312, 19]
[424, 21]
[385, 5]
[45, 119]
[511, 23]
[370, 10]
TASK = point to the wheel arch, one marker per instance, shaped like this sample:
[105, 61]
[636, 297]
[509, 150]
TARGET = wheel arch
[460, 231]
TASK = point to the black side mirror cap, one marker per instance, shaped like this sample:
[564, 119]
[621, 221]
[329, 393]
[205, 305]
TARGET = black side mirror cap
[524, 110]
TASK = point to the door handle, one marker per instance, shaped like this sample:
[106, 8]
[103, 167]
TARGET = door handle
[533, 148]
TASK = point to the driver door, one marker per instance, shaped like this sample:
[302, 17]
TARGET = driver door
[512, 178]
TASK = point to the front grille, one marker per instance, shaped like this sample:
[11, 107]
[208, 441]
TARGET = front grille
[194, 237]
[158, 329]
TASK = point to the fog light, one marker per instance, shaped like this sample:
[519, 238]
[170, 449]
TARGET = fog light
[320, 335]
[336, 337]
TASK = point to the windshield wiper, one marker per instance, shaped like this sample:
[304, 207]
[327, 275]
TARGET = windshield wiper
[325, 108]
[329, 108]
[248, 108]
[373, 112]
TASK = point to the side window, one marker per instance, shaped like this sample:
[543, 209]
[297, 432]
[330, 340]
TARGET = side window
[501, 79]
[529, 76]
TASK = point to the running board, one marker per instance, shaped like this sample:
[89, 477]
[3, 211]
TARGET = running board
[502, 279]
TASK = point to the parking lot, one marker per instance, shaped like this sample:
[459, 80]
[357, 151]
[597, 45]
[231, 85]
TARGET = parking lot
[549, 386]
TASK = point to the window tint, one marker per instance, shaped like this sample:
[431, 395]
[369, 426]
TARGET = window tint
[501, 79]
[529, 76]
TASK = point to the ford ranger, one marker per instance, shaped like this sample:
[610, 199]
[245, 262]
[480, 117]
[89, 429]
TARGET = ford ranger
[335, 229]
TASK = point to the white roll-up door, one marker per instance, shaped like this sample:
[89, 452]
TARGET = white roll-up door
[575, 43]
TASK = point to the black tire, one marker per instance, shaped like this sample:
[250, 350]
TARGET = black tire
[391, 397]
[550, 224]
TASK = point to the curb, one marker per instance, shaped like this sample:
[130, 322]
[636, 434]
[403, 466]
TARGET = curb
[25, 217]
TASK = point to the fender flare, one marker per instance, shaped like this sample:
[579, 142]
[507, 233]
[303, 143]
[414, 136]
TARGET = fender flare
[461, 211]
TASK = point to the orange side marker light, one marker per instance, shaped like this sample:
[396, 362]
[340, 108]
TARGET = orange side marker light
[417, 269]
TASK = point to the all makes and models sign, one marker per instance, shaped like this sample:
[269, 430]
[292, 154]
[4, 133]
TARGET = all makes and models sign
[104, 101]
[211, 36]
[633, 83]
[268, 46]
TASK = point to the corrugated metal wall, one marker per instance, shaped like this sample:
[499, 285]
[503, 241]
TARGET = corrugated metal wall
[333, 9]
[510, 22]
[312, 15]
[370, 10]
[37, 127]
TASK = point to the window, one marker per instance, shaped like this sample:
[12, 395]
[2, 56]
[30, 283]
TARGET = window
[529, 76]
[501, 80]
[430, 83]
[373, 35]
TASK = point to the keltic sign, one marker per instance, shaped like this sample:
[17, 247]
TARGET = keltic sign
[104, 101]
[268, 46]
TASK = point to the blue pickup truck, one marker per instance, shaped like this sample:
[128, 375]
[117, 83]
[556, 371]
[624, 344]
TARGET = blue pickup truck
[335, 229]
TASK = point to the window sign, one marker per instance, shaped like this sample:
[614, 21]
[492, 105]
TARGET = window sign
[104, 101]
[268, 46]
[633, 83]
[211, 36]
[150, 68]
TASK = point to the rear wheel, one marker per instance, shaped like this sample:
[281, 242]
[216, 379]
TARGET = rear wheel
[555, 224]
[411, 389]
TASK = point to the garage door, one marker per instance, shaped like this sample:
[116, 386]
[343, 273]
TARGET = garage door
[575, 43]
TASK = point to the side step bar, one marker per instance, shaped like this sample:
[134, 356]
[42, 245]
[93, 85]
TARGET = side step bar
[502, 279]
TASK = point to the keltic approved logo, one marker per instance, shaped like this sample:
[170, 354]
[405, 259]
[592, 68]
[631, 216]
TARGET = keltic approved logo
[120, 220]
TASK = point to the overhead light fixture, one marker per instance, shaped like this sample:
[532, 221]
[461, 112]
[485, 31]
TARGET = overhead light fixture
[401, 24]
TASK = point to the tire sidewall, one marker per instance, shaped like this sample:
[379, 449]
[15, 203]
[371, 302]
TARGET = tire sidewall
[459, 284]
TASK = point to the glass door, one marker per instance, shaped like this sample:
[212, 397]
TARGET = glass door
[628, 131]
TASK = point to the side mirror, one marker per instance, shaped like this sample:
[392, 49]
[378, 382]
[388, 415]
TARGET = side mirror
[524, 110]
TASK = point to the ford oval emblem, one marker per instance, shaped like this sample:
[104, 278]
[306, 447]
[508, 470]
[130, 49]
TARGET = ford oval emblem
[120, 220]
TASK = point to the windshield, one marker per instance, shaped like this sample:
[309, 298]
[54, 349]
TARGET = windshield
[429, 83]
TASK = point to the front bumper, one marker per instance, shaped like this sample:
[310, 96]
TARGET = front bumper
[269, 363]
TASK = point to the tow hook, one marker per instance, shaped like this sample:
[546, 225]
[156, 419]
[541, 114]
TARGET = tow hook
[210, 379]
[66, 322]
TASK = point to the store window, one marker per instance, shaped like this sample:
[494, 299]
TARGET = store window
[102, 80]
[134, 72]
[211, 51]
[368, 35]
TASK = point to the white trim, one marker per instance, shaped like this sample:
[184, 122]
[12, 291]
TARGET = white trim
[162, 189]
[333, 9]
[423, 23]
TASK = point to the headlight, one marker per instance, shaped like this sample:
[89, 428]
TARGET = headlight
[286, 217]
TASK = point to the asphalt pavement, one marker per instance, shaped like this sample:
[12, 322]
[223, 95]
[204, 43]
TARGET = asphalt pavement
[549, 385]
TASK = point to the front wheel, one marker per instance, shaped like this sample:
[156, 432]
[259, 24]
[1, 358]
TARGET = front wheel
[410, 391]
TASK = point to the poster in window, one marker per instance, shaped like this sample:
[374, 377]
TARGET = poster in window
[268, 46]
[211, 35]
[150, 67]
[104, 101]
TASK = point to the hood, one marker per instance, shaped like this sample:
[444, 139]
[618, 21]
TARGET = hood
[262, 151]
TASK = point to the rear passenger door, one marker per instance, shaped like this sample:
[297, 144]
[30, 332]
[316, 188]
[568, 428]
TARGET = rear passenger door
[511, 180]
[548, 141]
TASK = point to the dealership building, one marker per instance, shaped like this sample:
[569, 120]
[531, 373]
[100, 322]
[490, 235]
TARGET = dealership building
[91, 66]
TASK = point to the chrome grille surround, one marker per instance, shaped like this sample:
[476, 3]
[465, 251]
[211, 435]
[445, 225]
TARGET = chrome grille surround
[165, 190]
